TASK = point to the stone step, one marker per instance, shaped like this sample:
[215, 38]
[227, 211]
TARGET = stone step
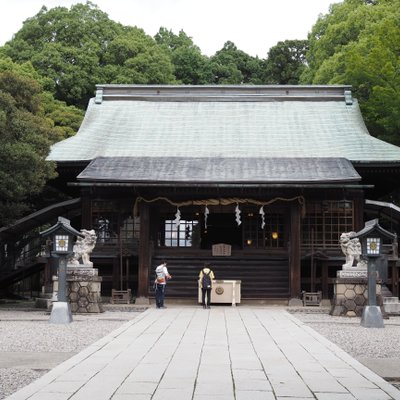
[42, 302]
[387, 300]
[391, 305]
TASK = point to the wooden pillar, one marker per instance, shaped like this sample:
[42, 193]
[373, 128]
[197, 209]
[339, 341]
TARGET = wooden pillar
[395, 280]
[115, 274]
[295, 272]
[358, 204]
[47, 277]
[144, 255]
[324, 280]
[86, 204]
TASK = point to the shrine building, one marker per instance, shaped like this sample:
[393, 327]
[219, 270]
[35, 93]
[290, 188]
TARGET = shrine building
[258, 181]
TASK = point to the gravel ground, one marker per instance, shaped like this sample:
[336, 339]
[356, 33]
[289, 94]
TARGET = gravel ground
[354, 339]
[30, 331]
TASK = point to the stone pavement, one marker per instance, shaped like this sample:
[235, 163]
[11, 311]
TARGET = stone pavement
[226, 353]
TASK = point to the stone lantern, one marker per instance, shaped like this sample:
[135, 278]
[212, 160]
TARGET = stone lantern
[62, 236]
[371, 238]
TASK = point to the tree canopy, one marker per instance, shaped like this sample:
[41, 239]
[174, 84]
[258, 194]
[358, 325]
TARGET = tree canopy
[190, 66]
[285, 62]
[24, 144]
[74, 49]
[233, 66]
[77, 48]
[30, 121]
[358, 43]
[66, 47]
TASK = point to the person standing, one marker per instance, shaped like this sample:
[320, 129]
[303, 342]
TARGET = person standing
[162, 276]
[206, 276]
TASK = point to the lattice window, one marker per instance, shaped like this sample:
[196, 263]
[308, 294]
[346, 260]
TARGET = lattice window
[269, 237]
[181, 235]
[105, 221]
[130, 229]
[325, 221]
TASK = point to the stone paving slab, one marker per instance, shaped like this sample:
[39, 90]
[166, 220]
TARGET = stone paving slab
[226, 353]
[387, 367]
[32, 360]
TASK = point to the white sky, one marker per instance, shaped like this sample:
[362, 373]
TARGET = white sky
[253, 25]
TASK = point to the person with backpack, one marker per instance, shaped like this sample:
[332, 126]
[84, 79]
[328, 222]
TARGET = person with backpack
[206, 276]
[160, 282]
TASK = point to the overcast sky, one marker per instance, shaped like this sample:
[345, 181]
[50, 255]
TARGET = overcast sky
[253, 25]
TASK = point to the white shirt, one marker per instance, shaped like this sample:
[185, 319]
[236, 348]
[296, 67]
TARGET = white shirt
[162, 274]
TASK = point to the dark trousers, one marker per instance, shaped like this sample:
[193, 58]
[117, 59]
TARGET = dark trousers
[160, 294]
[205, 292]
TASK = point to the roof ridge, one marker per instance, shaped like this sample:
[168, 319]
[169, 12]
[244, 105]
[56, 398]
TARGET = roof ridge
[222, 92]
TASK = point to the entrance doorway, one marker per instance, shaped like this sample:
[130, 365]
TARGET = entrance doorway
[222, 228]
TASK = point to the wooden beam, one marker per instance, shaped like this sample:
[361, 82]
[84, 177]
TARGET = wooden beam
[295, 276]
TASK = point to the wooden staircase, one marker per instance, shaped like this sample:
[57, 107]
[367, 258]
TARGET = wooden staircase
[261, 278]
[12, 276]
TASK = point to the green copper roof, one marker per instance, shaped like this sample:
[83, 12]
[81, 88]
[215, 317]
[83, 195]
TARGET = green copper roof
[224, 121]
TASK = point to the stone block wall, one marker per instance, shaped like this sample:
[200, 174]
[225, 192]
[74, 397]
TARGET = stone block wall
[351, 295]
[84, 290]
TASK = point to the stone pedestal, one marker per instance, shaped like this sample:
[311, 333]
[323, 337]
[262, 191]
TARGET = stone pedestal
[353, 272]
[61, 313]
[142, 301]
[84, 289]
[351, 296]
[391, 305]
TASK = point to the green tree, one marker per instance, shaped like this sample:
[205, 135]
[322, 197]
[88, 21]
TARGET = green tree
[286, 62]
[134, 57]
[168, 39]
[191, 67]
[24, 145]
[358, 43]
[341, 26]
[75, 49]
[64, 120]
[373, 68]
[67, 47]
[233, 66]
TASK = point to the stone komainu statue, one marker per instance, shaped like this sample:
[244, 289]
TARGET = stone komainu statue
[351, 248]
[83, 247]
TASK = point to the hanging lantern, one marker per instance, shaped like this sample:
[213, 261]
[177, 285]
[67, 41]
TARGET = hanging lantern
[177, 219]
[262, 214]
[206, 212]
[237, 214]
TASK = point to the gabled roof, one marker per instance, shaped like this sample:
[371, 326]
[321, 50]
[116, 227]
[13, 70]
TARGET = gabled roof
[63, 225]
[373, 227]
[201, 170]
[224, 121]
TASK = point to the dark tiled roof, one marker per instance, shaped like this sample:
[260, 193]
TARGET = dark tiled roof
[219, 170]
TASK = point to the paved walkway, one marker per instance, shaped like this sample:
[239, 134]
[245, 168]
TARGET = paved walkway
[226, 353]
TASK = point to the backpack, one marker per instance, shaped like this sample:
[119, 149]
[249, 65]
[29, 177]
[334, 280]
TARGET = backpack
[206, 280]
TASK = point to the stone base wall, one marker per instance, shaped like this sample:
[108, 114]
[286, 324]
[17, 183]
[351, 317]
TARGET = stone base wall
[351, 295]
[84, 289]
